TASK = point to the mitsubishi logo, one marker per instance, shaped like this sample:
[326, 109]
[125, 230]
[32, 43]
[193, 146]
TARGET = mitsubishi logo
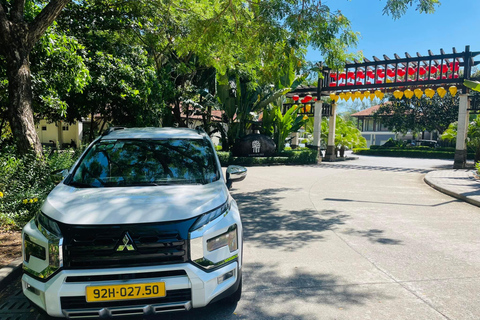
[127, 243]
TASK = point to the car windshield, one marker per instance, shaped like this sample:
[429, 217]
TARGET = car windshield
[123, 163]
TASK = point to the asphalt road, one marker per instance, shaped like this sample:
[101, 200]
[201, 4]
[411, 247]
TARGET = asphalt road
[363, 239]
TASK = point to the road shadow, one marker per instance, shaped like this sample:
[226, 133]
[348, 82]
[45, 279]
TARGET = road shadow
[373, 168]
[266, 223]
[374, 236]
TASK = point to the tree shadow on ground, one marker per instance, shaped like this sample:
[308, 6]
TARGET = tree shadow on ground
[299, 296]
[266, 223]
[374, 236]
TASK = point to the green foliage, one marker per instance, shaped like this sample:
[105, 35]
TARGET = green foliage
[347, 135]
[477, 166]
[409, 153]
[473, 135]
[305, 156]
[25, 181]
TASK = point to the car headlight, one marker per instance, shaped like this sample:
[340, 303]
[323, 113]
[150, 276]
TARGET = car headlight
[41, 249]
[210, 216]
[228, 239]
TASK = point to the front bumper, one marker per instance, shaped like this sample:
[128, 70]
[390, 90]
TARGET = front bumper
[186, 285]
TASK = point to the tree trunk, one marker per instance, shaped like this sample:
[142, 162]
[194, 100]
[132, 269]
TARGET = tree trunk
[20, 113]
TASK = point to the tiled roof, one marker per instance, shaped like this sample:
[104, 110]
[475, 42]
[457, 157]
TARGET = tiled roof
[368, 112]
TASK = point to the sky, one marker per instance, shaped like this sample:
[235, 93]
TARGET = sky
[456, 23]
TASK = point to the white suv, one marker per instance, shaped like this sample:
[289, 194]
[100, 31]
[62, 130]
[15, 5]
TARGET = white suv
[143, 223]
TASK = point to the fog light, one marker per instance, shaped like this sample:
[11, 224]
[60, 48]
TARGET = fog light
[224, 277]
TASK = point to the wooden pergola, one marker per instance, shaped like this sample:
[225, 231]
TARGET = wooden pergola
[401, 73]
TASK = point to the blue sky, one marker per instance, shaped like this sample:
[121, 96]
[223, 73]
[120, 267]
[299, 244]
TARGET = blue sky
[455, 23]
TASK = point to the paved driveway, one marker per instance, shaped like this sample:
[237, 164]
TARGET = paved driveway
[365, 239]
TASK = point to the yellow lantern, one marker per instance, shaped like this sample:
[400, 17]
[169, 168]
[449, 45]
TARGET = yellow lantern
[453, 90]
[305, 117]
[366, 94]
[398, 94]
[418, 93]
[358, 95]
[429, 93]
[332, 96]
[348, 95]
[372, 96]
[379, 94]
[307, 108]
[342, 96]
[441, 92]
[408, 94]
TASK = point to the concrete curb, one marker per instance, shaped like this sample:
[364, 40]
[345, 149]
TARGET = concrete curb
[450, 192]
[10, 272]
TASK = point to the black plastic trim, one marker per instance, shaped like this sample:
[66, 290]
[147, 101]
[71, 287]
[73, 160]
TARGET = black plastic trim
[129, 276]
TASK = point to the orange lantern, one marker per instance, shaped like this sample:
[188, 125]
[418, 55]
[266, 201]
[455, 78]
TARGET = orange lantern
[408, 94]
[441, 92]
[379, 94]
[418, 93]
[429, 93]
[398, 94]
[453, 90]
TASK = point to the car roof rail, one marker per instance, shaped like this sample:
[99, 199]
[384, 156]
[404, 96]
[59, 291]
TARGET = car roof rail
[111, 129]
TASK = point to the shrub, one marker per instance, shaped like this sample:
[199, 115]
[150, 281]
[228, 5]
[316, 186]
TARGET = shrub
[477, 166]
[25, 181]
[304, 156]
[409, 153]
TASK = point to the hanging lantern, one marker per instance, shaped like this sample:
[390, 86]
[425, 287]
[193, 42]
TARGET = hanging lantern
[444, 68]
[348, 95]
[380, 73]
[408, 94]
[429, 93]
[358, 95]
[433, 69]
[307, 108]
[418, 93]
[342, 75]
[295, 98]
[332, 96]
[333, 76]
[315, 99]
[370, 74]
[412, 71]
[366, 94]
[359, 83]
[401, 72]
[305, 117]
[351, 75]
[350, 83]
[342, 96]
[308, 98]
[361, 74]
[390, 72]
[303, 100]
[333, 84]
[369, 82]
[372, 96]
[379, 94]
[389, 81]
[453, 90]
[398, 94]
[441, 92]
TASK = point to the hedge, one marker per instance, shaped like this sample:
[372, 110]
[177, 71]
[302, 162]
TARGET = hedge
[410, 153]
[286, 157]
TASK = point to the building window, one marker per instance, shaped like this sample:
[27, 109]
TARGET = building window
[44, 128]
[65, 128]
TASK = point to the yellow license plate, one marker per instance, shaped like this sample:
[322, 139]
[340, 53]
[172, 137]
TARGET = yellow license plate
[125, 291]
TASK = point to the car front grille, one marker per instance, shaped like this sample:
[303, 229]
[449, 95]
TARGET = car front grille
[87, 247]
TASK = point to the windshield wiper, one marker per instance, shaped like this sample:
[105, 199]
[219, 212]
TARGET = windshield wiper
[80, 185]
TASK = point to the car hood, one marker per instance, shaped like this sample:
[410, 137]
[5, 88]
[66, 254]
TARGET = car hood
[125, 205]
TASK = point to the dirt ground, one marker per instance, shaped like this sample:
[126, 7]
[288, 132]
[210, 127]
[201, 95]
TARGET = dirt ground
[10, 246]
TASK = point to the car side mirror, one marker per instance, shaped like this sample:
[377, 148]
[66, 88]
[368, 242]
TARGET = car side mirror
[235, 174]
[59, 175]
